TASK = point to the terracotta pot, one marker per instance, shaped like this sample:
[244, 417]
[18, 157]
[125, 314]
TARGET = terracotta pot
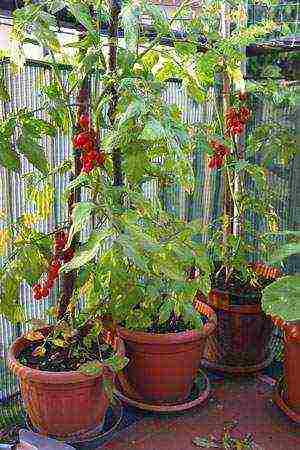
[241, 340]
[61, 404]
[292, 365]
[162, 367]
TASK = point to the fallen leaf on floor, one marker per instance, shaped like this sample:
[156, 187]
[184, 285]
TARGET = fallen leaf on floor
[205, 442]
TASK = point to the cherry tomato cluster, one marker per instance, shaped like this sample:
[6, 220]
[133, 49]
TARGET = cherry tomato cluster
[236, 120]
[42, 290]
[220, 151]
[85, 140]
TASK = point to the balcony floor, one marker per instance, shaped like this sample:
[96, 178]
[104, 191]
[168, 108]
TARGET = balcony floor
[245, 400]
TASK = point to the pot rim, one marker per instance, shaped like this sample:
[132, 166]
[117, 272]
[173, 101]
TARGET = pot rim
[47, 377]
[174, 338]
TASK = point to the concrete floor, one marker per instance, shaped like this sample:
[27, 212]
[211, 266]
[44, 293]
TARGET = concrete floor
[245, 400]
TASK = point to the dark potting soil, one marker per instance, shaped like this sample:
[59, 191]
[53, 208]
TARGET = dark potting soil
[173, 325]
[61, 359]
[241, 291]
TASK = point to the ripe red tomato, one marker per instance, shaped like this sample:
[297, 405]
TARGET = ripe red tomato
[84, 121]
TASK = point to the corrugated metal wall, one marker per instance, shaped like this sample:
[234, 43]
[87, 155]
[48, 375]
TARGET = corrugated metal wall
[25, 90]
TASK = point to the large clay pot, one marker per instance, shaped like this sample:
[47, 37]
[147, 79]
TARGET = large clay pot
[62, 404]
[292, 365]
[162, 367]
[241, 342]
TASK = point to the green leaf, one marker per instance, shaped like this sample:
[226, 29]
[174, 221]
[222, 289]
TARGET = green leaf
[130, 24]
[165, 311]
[34, 152]
[150, 59]
[258, 174]
[8, 157]
[158, 16]
[82, 15]
[135, 108]
[153, 131]
[91, 368]
[81, 180]
[81, 213]
[4, 95]
[286, 250]
[38, 264]
[88, 251]
[191, 316]
[116, 362]
[186, 48]
[282, 298]
[56, 5]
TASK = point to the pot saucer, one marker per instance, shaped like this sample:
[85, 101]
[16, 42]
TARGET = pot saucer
[196, 398]
[278, 398]
[112, 420]
[238, 370]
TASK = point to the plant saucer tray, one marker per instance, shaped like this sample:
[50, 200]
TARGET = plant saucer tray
[240, 370]
[279, 400]
[197, 397]
[112, 420]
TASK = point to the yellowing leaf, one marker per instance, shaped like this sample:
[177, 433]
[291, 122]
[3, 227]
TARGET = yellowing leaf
[34, 336]
[43, 200]
[39, 351]
[2, 214]
[4, 239]
[29, 219]
[59, 342]
[237, 77]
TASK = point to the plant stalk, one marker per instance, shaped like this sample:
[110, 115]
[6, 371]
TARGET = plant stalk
[112, 65]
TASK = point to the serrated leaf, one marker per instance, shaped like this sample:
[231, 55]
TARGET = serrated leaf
[91, 368]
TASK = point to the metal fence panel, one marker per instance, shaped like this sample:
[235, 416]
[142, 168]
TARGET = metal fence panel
[24, 90]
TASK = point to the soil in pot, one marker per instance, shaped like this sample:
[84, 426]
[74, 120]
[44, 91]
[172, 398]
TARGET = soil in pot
[58, 358]
[61, 404]
[163, 365]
